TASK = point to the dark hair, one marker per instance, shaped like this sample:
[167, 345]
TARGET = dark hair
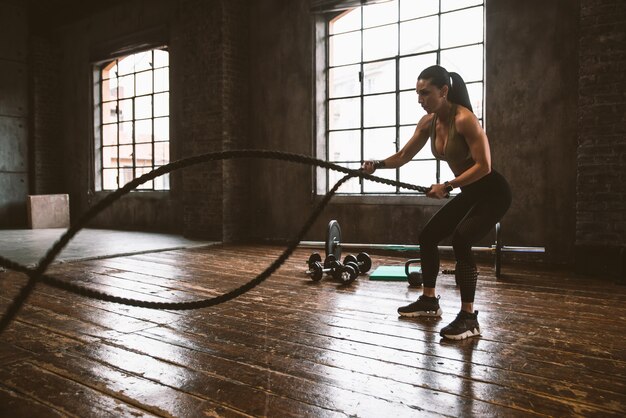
[457, 90]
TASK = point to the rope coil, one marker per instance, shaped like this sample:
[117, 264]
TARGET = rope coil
[38, 273]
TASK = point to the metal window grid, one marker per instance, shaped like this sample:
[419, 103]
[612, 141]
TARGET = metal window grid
[397, 91]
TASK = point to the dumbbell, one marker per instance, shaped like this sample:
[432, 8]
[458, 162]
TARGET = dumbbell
[362, 261]
[330, 266]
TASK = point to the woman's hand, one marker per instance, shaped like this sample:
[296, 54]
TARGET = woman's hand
[437, 191]
[368, 167]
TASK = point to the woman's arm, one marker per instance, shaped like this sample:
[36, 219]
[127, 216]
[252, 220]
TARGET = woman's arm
[412, 147]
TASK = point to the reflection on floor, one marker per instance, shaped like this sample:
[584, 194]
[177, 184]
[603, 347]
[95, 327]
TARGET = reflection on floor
[28, 246]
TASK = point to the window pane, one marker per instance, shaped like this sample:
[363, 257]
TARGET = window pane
[126, 109]
[110, 70]
[347, 21]
[411, 67]
[345, 49]
[126, 86]
[125, 175]
[344, 113]
[379, 143]
[380, 14]
[161, 104]
[162, 182]
[375, 187]
[447, 5]
[410, 110]
[140, 171]
[126, 155]
[143, 107]
[462, 28]
[109, 112]
[423, 173]
[143, 61]
[380, 42]
[379, 77]
[410, 9]
[161, 153]
[350, 186]
[475, 91]
[161, 79]
[109, 134]
[161, 58]
[344, 146]
[143, 132]
[143, 155]
[125, 65]
[109, 157]
[126, 133]
[144, 83]
[161, 129]
[467, 61]
[109, 179]
[379, 110]
[406, 132]
[344, 81]
[419, 35]
[109, 89]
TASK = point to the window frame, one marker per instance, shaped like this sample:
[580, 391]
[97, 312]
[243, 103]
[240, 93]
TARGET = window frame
[98, 67]
[322, 131]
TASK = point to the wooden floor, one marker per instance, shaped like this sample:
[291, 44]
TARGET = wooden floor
[552, 344]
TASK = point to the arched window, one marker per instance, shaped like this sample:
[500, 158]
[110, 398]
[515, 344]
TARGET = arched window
[367, 105]
[132, 119]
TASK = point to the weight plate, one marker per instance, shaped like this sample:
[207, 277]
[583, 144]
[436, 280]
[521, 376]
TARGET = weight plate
[364, 261]
[333, 240]
[498, 261]
[315, 257]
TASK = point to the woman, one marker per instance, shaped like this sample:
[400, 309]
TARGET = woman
[457, 138]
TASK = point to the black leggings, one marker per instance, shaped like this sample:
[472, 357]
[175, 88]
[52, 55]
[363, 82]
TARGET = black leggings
[468, 217]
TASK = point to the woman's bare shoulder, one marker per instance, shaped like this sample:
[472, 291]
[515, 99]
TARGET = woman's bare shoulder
[425, 122]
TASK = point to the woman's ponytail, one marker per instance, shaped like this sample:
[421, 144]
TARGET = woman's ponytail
[457, 90]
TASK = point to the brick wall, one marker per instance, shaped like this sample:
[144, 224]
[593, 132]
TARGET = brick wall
[208, 68]
[46, 137]
[235, 110]
[601, 157]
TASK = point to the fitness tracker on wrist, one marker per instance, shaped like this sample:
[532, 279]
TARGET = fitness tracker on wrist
[448, 186]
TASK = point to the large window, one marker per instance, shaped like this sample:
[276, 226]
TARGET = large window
[132, 119]
[373, 55]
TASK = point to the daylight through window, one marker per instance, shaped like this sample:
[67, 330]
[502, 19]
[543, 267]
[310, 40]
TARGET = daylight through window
[132, 119]
[373, 57]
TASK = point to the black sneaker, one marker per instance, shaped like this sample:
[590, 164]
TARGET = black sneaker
[464, 326]
[424, 306]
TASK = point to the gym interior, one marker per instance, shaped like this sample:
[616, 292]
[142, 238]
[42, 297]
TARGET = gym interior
[192, 294]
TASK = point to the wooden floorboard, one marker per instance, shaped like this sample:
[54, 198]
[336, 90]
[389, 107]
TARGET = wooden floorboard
[552, 343]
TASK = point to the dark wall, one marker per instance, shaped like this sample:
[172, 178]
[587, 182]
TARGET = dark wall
[601, 153]
[14, 112]
[531, 102]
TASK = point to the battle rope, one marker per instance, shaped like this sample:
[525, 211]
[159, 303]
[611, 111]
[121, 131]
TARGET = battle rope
[38, 274]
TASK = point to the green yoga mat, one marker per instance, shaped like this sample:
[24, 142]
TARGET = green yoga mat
[392, 273]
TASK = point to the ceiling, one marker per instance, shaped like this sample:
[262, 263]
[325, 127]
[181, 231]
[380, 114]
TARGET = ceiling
[55, 13]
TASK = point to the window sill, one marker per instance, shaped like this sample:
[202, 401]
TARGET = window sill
[384, 199]
[141, 194]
